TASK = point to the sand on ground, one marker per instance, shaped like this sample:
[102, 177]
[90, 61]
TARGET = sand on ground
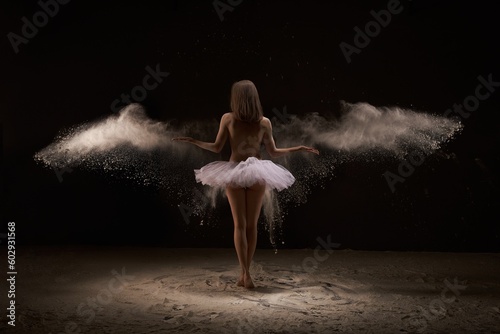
[94, 289]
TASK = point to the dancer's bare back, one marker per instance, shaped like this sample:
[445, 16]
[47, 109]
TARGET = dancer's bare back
[245, 138]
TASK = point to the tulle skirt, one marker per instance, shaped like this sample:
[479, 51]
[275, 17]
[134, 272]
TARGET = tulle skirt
[245, 174]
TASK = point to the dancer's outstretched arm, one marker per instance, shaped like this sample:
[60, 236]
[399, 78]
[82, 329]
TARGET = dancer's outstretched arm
[277, 152]
[220, 140]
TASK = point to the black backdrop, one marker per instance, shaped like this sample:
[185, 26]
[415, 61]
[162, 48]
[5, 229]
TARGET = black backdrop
[428, 58]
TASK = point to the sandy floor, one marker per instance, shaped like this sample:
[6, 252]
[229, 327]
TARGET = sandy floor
[154, 290]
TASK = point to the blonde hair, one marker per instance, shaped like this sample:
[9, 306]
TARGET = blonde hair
[245, 102]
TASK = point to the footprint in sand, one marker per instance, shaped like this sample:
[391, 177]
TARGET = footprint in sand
[286, 281]
[336, 297]
[329, 285]
[263, 302]
[159, 278]
[177, 307]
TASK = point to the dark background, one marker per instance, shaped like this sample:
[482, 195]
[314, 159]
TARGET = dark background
[428, 58]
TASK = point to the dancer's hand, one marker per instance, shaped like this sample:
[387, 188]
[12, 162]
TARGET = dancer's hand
[185, 139]
[309, 149]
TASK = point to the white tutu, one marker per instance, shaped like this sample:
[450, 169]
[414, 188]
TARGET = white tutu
[244, 174]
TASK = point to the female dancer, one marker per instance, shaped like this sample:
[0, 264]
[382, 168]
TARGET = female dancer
[245, 176]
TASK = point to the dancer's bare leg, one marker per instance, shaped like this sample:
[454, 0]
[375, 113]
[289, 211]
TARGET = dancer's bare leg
[237, 201]
[254, 197]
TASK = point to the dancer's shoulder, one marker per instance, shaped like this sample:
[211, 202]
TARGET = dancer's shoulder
[226, 117]
[265, 121]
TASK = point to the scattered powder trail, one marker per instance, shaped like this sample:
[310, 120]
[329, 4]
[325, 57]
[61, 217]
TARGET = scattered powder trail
[135, 147]
[130, 129]
[363, 127]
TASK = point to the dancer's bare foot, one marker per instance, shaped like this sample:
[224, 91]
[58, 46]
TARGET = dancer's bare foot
[241, 281]
[248, 282]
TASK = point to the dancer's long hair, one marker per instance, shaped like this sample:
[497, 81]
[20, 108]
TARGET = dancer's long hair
[245, 102]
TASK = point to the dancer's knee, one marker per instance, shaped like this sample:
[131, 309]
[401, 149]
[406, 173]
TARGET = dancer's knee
[240, 225]
[251, 230]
